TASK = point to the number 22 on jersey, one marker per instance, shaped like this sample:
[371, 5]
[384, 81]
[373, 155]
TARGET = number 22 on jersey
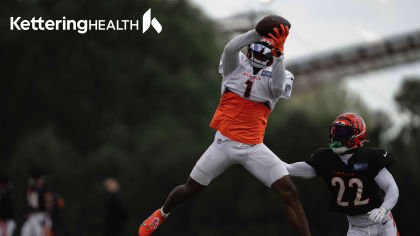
[342, 187]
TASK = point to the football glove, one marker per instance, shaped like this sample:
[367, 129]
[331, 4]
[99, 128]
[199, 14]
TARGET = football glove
[278, 40]
[377, 215]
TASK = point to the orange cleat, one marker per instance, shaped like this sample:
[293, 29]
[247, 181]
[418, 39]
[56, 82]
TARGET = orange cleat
[150, 224]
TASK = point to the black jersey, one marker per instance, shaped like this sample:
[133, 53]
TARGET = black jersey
[353, 185]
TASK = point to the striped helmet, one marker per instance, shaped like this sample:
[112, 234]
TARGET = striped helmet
[347, 131]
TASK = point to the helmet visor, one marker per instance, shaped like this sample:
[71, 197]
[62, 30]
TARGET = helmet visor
[260, 54]
[341, 133]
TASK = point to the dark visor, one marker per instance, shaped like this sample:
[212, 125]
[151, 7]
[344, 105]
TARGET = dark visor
[261, 51]
[339, 132]
[262, 57]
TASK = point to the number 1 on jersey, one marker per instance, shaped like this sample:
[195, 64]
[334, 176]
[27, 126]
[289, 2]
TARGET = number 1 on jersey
[248, 88]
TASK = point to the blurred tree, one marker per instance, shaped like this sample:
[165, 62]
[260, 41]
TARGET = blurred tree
[122, 103]
[408, 99]
[406, 143]
[406, 147]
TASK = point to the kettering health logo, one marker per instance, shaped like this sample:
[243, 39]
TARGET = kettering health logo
[83, 26]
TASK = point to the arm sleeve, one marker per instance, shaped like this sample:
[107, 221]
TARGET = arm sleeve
[230, 56]
[278, 85]
[315, 161]
[30, 228]
[387, 183]
[301, 169]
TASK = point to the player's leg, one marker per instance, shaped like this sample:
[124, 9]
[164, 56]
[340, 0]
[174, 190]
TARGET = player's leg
[388, 227]
[210, 165]
[178, 195]
[271, 171]
[294, 209]
[181, 193]
[358, 231]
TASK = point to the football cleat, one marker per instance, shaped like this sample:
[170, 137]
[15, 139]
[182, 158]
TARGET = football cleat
[152, 223]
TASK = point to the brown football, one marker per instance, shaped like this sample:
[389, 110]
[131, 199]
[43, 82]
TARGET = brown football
[266, 25]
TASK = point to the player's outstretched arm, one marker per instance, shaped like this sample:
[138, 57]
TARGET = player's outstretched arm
[230, 57]
[294, 209]
[301, 169]
[387, 183]
[278, 68]
[278, 77]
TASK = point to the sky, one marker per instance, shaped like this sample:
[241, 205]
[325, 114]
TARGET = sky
[326, 25]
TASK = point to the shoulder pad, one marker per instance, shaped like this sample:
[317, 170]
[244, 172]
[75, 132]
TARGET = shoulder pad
[321, 154]
[378, 157]
[323, 151]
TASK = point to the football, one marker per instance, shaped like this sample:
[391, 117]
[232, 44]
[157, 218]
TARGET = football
[266, 25]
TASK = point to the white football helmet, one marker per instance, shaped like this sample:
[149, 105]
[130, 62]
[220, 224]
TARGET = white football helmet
[259, 54]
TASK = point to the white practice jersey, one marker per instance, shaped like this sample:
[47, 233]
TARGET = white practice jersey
[33, 226]
[7, 228]
[257, 87]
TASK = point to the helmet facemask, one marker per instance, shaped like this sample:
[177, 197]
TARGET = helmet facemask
[259, 54]
[340, 138]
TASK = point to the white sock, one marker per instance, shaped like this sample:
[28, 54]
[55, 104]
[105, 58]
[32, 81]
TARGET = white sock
[163, 213]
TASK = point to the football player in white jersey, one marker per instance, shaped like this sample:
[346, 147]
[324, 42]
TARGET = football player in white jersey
[251, 86]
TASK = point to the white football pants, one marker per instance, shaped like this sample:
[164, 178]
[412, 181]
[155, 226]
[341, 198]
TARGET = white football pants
[258, 159]
[387, 228]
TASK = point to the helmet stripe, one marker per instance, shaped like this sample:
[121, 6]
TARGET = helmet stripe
[357, 120]
[364, 131]
[362, 121]
[345, 118]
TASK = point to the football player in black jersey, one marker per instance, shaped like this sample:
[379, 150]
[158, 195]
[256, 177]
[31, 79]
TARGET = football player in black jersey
[356, 177]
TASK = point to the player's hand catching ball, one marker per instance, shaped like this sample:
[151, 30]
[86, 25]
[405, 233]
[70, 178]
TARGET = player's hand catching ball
[278, 40]
[377, 215]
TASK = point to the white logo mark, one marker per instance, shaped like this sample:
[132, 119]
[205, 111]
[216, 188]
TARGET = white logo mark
[146, 22]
